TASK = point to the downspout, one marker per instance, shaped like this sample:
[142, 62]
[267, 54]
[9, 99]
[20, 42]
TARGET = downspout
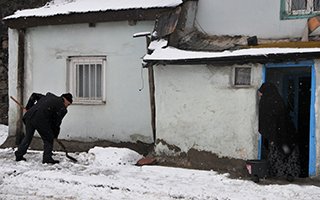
[20, 83]
[149, 66]
[152, 93]
[152, 101]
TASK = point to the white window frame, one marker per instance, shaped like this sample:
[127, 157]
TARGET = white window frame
[234, 77]
[72, 63]
[309, 8]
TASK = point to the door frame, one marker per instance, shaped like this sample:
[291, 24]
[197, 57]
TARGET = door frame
[312, 138]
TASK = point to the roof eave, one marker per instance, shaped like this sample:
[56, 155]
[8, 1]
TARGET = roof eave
[244, 59]
[89, 17]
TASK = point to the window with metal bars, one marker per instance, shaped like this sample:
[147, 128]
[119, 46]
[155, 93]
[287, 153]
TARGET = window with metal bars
[242, 76]
[301, 7]
[86, 79]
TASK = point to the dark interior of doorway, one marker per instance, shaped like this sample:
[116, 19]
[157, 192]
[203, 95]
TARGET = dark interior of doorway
[294, 84]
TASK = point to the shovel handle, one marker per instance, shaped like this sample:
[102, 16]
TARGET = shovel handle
[61, 144]
[17, 102]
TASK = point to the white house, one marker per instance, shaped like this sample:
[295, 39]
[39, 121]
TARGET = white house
[198, 88]
[86, 48]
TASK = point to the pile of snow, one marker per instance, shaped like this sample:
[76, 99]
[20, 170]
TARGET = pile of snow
[114, 156]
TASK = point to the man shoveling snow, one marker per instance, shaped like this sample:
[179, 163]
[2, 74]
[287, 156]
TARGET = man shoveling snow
[44, 114]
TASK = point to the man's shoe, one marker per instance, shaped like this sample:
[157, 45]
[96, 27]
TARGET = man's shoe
[50, 161]
[19, 158]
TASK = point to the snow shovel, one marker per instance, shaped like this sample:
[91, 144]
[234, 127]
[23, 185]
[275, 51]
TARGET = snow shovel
[65, 150]
[58, 141]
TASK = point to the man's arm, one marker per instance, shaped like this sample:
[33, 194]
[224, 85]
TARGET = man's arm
[57, 121]
[33, 99]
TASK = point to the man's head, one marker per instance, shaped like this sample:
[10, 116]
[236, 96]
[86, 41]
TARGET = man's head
[67, 99]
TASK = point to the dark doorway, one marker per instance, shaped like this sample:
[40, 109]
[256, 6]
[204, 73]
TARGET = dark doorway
[294, 84]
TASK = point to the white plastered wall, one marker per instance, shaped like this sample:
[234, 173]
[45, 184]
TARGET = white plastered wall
[12, 80]
[247, 17]
[197, 107]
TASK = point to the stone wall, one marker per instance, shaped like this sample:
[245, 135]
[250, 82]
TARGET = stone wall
[8, 7]
[4, 80]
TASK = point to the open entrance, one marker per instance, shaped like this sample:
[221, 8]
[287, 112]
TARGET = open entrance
[294, 84]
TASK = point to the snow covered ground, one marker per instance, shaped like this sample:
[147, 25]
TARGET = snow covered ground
[110, 173]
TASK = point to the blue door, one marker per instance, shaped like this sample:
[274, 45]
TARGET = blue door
[296, 83]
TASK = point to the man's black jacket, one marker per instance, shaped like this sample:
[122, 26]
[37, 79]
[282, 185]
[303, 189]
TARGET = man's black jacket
[47, 110]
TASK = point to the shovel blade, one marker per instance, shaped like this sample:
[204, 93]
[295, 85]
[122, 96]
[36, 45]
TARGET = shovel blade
[71, 158]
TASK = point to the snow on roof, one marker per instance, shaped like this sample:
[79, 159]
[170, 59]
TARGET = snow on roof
[157, 44]
[57, 7]
[171, 53]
